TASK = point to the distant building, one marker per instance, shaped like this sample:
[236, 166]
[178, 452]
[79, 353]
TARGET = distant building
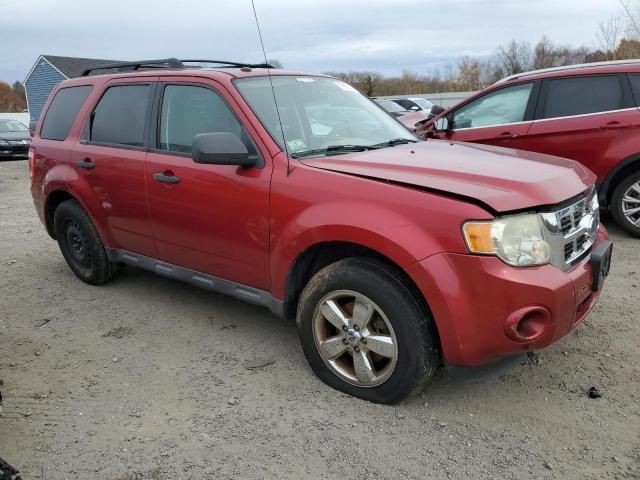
[47, 72]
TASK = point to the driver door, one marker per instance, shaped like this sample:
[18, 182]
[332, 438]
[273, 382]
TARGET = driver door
[501, 117]
[208, 218]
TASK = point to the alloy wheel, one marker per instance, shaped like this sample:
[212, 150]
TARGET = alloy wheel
[355, 338]
[631, 204]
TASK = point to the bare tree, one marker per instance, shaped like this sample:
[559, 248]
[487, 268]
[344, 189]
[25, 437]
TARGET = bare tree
[469, 73]
[515, 57]
[609, 34]
[545, 54]
[632, 17]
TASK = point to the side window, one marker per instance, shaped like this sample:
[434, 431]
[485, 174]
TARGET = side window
[62, 112]
[120, 115]
[188, 110]
[565, 97]
[507, 105]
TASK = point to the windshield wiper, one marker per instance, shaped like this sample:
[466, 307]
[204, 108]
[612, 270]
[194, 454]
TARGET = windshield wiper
[334, 150]
[395, 141]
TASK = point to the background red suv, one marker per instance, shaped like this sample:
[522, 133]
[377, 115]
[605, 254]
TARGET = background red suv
[587, 113]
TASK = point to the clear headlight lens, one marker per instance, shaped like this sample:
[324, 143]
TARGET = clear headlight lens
[517, 240]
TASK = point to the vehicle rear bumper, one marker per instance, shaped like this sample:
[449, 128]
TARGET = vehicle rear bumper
[478, 301]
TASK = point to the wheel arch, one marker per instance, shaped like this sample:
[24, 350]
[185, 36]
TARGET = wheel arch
[319, 255]
[53, 200]
[615, 176]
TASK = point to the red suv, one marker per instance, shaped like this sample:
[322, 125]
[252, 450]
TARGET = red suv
[393, 255]
[587, 113]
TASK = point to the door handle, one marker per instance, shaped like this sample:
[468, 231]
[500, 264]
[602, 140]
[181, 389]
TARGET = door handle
[506, 136]
[165, 177]
[614, 125]
[86, 163]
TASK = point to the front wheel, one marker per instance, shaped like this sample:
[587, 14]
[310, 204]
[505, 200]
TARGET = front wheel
[625, 204]
[365, 333]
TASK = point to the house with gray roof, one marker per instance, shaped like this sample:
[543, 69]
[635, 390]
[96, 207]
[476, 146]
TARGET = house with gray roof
[47, 72]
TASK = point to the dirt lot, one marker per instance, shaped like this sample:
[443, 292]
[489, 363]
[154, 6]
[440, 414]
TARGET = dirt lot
[146, 378]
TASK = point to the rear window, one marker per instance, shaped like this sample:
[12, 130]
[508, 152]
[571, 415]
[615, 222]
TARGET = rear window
[62, 112]
[581, 95]
[119, 117]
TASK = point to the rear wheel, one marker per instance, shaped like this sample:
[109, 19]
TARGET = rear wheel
[365, 333]
[625, 204]
[81, 245]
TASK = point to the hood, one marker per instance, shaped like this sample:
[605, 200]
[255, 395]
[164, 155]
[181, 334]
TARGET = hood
[15, 136]
[502, 178]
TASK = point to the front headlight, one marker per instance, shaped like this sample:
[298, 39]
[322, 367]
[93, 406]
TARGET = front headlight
[517, 240]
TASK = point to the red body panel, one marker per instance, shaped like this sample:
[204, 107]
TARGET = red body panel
[503, 179]
[600, 141]
[407, 203]
[471, 297]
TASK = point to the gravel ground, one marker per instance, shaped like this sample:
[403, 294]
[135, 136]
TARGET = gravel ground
[145, 378]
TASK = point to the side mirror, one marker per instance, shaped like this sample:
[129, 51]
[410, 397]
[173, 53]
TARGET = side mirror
[32, 127]
[415, 108]
[443, 124]
[221, 148]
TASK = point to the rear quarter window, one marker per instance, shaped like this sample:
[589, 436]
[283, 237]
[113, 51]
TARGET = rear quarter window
[62, 112]
[566, 97]
[634, 79]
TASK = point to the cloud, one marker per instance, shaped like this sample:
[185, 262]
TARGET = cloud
[316, 35]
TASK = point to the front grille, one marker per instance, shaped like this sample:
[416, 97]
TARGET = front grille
[572, 230]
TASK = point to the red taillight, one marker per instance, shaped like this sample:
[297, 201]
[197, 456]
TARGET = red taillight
[32, 163]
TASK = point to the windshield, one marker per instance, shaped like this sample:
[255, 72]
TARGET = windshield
[319, 115]
[7, 126]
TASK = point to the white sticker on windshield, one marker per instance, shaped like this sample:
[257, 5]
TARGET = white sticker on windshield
[296, 144]
[304, 79]
[345, 86]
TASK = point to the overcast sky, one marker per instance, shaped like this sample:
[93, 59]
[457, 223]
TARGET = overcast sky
[314, 35]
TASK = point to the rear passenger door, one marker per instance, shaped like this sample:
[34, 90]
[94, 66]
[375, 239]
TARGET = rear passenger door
[208, 218]
[108, 164]
[580, 117]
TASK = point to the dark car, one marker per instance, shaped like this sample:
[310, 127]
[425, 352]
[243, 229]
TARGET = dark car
[14, 139]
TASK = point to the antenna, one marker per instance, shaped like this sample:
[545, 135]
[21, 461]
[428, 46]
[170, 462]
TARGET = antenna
[273, 90]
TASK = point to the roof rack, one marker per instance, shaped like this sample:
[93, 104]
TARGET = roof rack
[569, 67]
[173, 63]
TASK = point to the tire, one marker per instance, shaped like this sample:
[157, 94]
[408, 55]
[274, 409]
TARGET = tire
[628, 189]
[399, 319]
[81, 245]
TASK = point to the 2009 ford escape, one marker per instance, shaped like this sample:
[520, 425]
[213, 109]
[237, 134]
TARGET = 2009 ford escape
[393, 255]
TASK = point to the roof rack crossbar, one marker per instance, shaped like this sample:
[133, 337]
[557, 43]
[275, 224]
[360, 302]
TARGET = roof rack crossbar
[166, 62]
[569, 67]
[169, 63]
[231, 64]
